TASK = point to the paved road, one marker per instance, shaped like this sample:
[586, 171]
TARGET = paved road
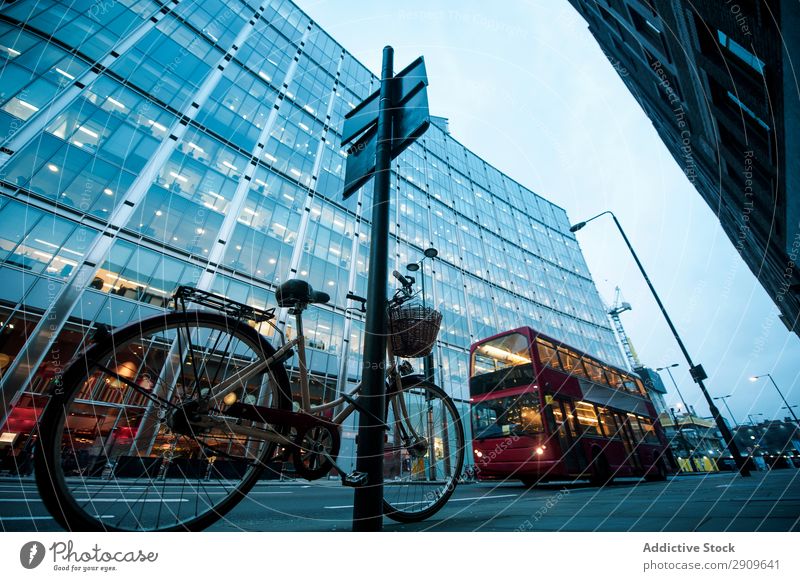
[718, 502]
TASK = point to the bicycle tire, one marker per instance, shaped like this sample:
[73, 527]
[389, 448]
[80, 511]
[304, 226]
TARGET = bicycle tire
[422, 492]
[58, 490]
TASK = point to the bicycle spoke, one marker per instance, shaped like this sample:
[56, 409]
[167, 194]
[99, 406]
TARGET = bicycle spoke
[136, 387]
[136, 399]
[423, 463]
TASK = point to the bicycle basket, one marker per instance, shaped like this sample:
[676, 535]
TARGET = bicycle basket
[413, 330]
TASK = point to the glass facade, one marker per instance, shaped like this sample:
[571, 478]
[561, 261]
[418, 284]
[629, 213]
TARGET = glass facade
[202, 138]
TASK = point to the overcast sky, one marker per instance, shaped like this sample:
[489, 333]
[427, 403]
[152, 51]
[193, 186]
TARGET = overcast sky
[528, 89]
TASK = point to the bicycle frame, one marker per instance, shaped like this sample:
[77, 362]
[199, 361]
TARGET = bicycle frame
[231, 383]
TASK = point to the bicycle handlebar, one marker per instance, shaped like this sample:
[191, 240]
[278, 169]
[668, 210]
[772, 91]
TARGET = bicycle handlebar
[352, 297]
[403, 280]
[401, 296]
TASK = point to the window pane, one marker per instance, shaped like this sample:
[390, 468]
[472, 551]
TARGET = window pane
[587, 419]
[547, 354]
[608, 423]
[635, 427]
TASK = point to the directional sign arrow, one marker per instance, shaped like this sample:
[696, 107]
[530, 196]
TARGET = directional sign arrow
[407, 82]
[408, 123]
[360, 162]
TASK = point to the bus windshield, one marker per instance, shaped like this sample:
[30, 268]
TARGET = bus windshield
[501, 363]
[504, 416]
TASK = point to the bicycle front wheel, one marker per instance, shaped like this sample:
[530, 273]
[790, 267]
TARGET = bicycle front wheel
[424, 452]
[121, 448]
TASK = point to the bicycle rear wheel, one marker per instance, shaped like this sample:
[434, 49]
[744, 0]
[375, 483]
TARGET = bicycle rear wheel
[119, 450]
[424, 452]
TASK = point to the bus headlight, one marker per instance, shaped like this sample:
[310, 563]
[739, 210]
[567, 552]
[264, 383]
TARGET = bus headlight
[539, 450]
[478, 453]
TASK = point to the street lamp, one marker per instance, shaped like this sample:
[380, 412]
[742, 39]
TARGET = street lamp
[679, 432]
[696, 371]
[431, 252]
[791, 411]
[675, 383]
[724, 400]
[750, 417]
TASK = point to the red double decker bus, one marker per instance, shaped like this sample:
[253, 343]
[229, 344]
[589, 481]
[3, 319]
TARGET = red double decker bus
[544, 411]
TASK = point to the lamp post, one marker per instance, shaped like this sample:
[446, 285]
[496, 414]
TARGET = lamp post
[724, 399]
[431, 252]
[675, 383]
[697, 372]
[750, 417]
[791, 411]
[679, 432]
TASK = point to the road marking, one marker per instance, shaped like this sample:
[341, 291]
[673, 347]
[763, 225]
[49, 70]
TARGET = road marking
[451, 500]
[134, 501]
[29, 518]
[482, 497]
[131, 500]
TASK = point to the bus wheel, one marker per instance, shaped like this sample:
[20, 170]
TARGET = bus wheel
[600, 471]
[657, 472]
[530, 481]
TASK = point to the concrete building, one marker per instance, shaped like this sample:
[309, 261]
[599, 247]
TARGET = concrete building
[717, 81]
[655, 387]
[771, 443]
[696, 442]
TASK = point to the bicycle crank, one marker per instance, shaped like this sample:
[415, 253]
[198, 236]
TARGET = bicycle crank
[315, 450]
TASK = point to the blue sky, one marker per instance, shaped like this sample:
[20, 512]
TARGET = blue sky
[527, 88]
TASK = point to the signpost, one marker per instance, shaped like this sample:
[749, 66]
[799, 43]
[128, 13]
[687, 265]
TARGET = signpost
[383, 125]
[409, 118]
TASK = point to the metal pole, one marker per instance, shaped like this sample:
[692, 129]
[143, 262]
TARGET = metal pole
[675, 383]
[368, 500]
[427, 362]
[791, 411]
[723, 428]
[727, 407]
[679, 431]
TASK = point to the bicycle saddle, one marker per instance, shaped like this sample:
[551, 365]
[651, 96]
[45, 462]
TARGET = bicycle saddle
[294, 292]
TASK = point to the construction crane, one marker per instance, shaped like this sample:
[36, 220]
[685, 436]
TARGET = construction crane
[618, 307]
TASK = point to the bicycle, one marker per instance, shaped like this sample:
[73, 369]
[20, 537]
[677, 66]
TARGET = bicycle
[194, 406]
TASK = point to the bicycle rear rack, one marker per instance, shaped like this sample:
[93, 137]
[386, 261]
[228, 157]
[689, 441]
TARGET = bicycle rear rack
[187, 294]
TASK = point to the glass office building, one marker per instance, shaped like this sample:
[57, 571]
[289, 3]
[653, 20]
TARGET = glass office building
[147, 144]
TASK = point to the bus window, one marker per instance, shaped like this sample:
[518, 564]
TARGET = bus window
[607, 420]
[500, 363]
[547, 354]
[558, 417]
[637, 429]
[629, 385]
[614, 379]
[587, 418]
[505, 416]
[649, 431]
[571, 363]
[595, 372]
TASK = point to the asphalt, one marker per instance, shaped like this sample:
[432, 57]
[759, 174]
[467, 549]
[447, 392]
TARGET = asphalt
[767, 501]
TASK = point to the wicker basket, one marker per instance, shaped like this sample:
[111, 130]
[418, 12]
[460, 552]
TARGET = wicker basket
[413, 330]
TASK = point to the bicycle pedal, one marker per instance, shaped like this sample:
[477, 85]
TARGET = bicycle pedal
[354, 479]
